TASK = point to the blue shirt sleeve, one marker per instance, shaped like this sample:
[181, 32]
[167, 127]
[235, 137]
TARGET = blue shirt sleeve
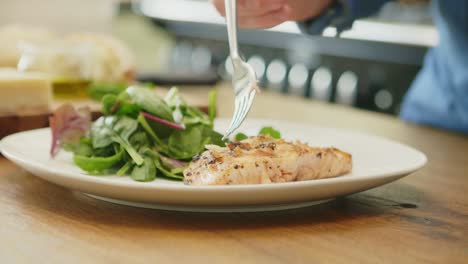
[439, 94]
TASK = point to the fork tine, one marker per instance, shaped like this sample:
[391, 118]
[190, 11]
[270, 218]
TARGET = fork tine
[242, 111]
[239, 114]
[248, 103]
[237, 103]
[244, 84]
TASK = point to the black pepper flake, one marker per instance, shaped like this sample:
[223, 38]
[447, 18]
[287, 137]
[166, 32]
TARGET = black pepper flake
[262, 145]
[189, 174]
[196, 157]
[212, 161]
[319, 155]
[272, 145]
[256, 164]
[236, 166]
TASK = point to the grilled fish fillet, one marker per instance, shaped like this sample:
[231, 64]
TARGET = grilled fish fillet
[264, 159]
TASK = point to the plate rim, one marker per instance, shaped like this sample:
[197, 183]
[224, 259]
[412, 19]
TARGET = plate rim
[103, 180]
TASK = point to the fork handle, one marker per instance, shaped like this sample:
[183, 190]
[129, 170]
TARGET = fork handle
[231, 21]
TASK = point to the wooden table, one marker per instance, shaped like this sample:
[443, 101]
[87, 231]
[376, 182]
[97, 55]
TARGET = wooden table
[422, 218]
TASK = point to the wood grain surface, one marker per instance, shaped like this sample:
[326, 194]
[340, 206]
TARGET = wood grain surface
[422, 218]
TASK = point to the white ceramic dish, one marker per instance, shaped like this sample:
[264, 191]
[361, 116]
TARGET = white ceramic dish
[376, 161]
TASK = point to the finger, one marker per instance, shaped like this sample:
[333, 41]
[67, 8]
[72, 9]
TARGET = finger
[247, 8]
[252, 4]
[259, 11]
[219, 5]
[268, 20]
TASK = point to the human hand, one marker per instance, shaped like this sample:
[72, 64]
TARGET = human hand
[269, 13]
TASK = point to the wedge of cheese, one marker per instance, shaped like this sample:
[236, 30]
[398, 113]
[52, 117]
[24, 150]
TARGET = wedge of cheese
[24, 92]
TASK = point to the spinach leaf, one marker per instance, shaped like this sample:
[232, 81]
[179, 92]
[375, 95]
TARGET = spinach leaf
[144, 172]
[170, 175]
[125, 127]
[173, 98]
[110, 129]
[241, 136]
[212, 106]
[128, 109]
[184, 113]
[175, 102]
[130, 150]
[157, 162]
[193, 116]
[150, 102]
[125, 106]
[215, 137]
[98, 90]
[170, 163]
[101, 131]
[126, 167]
[178, 170]
[139, 139]
[186, 144]
[98, 164]
[144, 124]
[104, 152]
[270, 131]
[108, 103]
[83, 147]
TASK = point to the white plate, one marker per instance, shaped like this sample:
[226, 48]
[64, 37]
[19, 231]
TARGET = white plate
[376, 161]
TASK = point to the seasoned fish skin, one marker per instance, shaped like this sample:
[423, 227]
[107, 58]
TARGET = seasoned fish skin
[263, 159]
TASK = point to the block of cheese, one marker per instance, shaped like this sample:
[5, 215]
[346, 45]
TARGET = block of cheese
[24, 92]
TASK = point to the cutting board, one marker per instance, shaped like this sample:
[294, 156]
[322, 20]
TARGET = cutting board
[10, 124]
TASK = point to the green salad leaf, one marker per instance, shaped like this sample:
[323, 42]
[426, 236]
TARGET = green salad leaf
[143, 135]
[98, 90]
[212, 105]
[240, 136]
[144, 172]
[109, 129]
[97, 164]
[270, 131]
[148, 101]
[109, 102]
[186, 144]
[83, 147]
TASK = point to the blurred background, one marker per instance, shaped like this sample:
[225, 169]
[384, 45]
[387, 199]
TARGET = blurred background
[184, 42]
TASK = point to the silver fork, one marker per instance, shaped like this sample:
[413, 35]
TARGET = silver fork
[244, 80]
